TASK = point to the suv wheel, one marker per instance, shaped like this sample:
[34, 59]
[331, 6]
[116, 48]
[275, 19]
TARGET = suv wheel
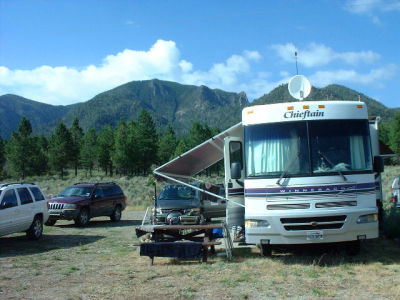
[35, 231]
[116, 215]
[83, 217]
[50, 222]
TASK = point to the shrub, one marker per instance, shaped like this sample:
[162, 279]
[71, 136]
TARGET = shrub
[391, 224]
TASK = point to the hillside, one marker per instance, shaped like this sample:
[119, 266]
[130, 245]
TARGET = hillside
[330, 92]
[168, 102]
[43, 117]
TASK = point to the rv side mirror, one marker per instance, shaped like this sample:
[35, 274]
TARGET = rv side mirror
[378, 164]
[236, 170]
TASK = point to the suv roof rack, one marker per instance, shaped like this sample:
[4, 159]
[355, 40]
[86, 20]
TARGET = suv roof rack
[94, 183]
[11, 183]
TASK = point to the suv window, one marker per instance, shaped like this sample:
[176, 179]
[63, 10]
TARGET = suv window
[117, 190]
[9, 200]
[37, 193]
[108, 190]
[24, 196]
[99, 192]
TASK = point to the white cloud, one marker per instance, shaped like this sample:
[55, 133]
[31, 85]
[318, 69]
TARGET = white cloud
[316, 55]
[371, 78]
[371, 8]
[64, 85]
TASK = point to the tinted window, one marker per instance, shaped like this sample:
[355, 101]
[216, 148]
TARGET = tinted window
[9, 200]
[37, 193]
[173, 192]
[108, 190]
[76, 191]
[99, 192]
[117, 190]
[24, 196]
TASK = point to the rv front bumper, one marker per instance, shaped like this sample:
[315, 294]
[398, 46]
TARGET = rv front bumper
[329, 227]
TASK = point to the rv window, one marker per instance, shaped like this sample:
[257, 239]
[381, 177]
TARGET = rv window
[275, 148]
[235, 153]
[340, 145]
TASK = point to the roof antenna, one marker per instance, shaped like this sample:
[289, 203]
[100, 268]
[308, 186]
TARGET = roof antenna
[295, 55]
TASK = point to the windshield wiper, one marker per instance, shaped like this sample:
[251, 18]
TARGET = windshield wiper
[294, 158]
[332, 165]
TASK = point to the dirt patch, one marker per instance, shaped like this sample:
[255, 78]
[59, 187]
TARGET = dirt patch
[101, 262]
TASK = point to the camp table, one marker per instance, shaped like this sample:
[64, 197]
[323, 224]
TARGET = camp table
[178, 240]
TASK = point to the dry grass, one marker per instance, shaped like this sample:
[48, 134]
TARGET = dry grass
[100, 262]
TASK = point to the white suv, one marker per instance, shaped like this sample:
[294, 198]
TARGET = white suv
[23, 207]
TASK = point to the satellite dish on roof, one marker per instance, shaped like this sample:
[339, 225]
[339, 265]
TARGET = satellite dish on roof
[299, 87]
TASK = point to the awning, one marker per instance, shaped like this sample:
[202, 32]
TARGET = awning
[198, 159]
[201, 157]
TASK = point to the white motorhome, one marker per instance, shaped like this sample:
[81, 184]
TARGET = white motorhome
[295, 173]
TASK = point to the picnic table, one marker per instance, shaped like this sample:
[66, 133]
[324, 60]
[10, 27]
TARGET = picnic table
[182, 241]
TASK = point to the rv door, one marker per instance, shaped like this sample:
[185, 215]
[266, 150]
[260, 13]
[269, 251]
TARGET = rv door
[234, 181]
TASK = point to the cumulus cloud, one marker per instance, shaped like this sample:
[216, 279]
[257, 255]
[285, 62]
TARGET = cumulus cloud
[316, 55]
[372, 78]
[64, 85]
[371, 8]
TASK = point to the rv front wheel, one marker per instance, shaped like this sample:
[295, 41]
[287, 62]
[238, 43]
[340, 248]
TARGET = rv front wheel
[265, 250]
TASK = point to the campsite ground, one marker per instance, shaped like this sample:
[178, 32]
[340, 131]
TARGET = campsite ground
[100, 262]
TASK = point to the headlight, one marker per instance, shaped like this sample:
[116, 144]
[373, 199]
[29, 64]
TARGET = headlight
[257, 223]
[69, 205]
[158, 210]
[367, 218]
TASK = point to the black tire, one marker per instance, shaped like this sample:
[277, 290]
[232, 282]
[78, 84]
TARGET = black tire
[265, 250]
[116, 215]
[83, 217]
[50, 222]
[36, 230]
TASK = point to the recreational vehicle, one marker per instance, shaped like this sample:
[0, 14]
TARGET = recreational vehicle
[295, 173]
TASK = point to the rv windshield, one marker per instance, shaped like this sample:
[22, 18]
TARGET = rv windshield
[323, 147]
[270, 148]
[340, 146]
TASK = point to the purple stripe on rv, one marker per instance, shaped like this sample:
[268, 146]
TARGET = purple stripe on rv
[308, 189]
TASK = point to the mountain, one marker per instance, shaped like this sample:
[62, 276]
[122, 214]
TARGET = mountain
[330, 92]
[43, 117]
[168, 102]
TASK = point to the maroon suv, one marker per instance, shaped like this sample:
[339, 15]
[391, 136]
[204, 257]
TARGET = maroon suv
[82, 201]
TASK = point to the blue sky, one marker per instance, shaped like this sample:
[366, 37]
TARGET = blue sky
[63, 52]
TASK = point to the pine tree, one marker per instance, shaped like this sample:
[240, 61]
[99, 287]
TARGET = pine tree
[89, 150]
[105, 143]
[120, 155]
[60, 149]
[146, 141]
[2, 155]
[181, 148]
[168, 144]
[20, 149]
[76, 135]
[395, 134]
[40, 160]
